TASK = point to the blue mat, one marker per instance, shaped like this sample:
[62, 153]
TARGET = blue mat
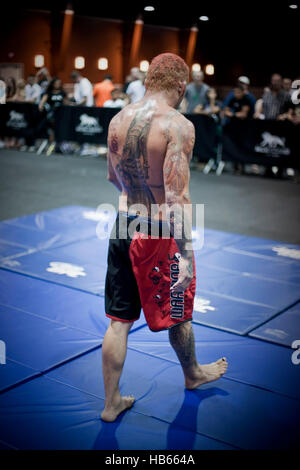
[13, 372]
[39, 343]
[283, 329]
[266, 249]
[246, 264]
[70, 420]
[251, 362]
[66, 306]
[240, 415]
[229, 313]
[240, 286]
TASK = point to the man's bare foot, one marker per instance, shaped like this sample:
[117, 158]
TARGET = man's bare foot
[110, 414]
[207, 373]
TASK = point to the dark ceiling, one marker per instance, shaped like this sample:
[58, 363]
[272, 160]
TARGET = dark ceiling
[185, 13]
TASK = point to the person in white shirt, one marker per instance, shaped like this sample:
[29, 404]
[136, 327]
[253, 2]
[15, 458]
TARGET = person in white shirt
[2, 91]
[136, 89]
[83, 90]
[32, 90]
[118, 99]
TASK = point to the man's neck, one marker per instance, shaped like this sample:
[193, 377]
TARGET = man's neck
[161, 97]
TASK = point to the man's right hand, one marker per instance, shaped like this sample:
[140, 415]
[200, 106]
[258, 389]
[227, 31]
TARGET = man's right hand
[186, 273]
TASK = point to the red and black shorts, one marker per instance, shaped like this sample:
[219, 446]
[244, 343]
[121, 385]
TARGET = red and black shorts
[141, 269]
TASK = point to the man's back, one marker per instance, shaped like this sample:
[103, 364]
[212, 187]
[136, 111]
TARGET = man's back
[139, 138]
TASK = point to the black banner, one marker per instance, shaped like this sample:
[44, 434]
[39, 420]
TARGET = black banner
[263, 142]
[206, 136]
[20, 120]
[83, 124]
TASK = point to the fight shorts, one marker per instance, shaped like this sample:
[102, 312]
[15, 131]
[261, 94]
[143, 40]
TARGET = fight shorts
[141, 269]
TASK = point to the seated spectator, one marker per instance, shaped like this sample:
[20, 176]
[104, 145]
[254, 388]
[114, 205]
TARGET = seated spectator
[32, 90]
[128, 80]
[11, 88]
[276, 103]
[118, 99]
[20, 91]
[239, 105]
[102, 91]
[213, 107]
[83, 89]
[136, 88]
[195, 98]
[244, 82]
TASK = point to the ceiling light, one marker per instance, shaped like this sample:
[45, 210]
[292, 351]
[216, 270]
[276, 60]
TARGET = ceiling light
[203, 18]
[149, 8]
[293, 6]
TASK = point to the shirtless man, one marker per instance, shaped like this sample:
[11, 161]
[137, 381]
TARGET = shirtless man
[150, 146]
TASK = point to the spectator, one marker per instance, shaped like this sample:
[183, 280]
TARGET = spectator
[287, 85]
[83, 89]
[43, 78]
[54, 97]
[2, 91]
[10, 88]
[102, 91]
[276, 103]
[239, 105]
[213, 107]
[195, 98]
[136, 89]
[128, 80]
[118, 99]
[32, 90]
[20, 91]
[244, 82]
[258, 105]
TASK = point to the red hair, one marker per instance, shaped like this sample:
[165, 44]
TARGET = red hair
[166, 71]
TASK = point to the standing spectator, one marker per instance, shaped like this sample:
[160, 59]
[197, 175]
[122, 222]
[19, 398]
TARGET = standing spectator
[2, 91]
[276, 104]
[239, 105]
[83, 89]
[43, 78]
[10, 88]
[244, 82]
[213, 107]
[102, 91]
[54, 97]
[136, 89]
[32, 90]
[287, 84]
[258, 105]
[20, 91]
[128, 80]
[196, 94]
[118, 99]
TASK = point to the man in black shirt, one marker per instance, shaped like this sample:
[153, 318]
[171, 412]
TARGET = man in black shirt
[239, 105]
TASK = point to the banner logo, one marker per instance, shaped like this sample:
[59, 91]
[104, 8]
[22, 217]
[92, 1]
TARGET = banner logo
[16, 120]
[272, 144]
[89, 125]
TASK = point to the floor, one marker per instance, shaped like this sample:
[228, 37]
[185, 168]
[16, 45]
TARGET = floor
[52, 319]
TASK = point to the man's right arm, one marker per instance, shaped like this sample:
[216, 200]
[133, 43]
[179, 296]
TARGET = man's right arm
[181, 138]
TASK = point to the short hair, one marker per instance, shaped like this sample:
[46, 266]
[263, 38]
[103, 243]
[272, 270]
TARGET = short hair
[165, 72]
[108, 77]
[75, 74]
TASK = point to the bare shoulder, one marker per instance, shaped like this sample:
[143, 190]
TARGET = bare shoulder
[178, 131]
